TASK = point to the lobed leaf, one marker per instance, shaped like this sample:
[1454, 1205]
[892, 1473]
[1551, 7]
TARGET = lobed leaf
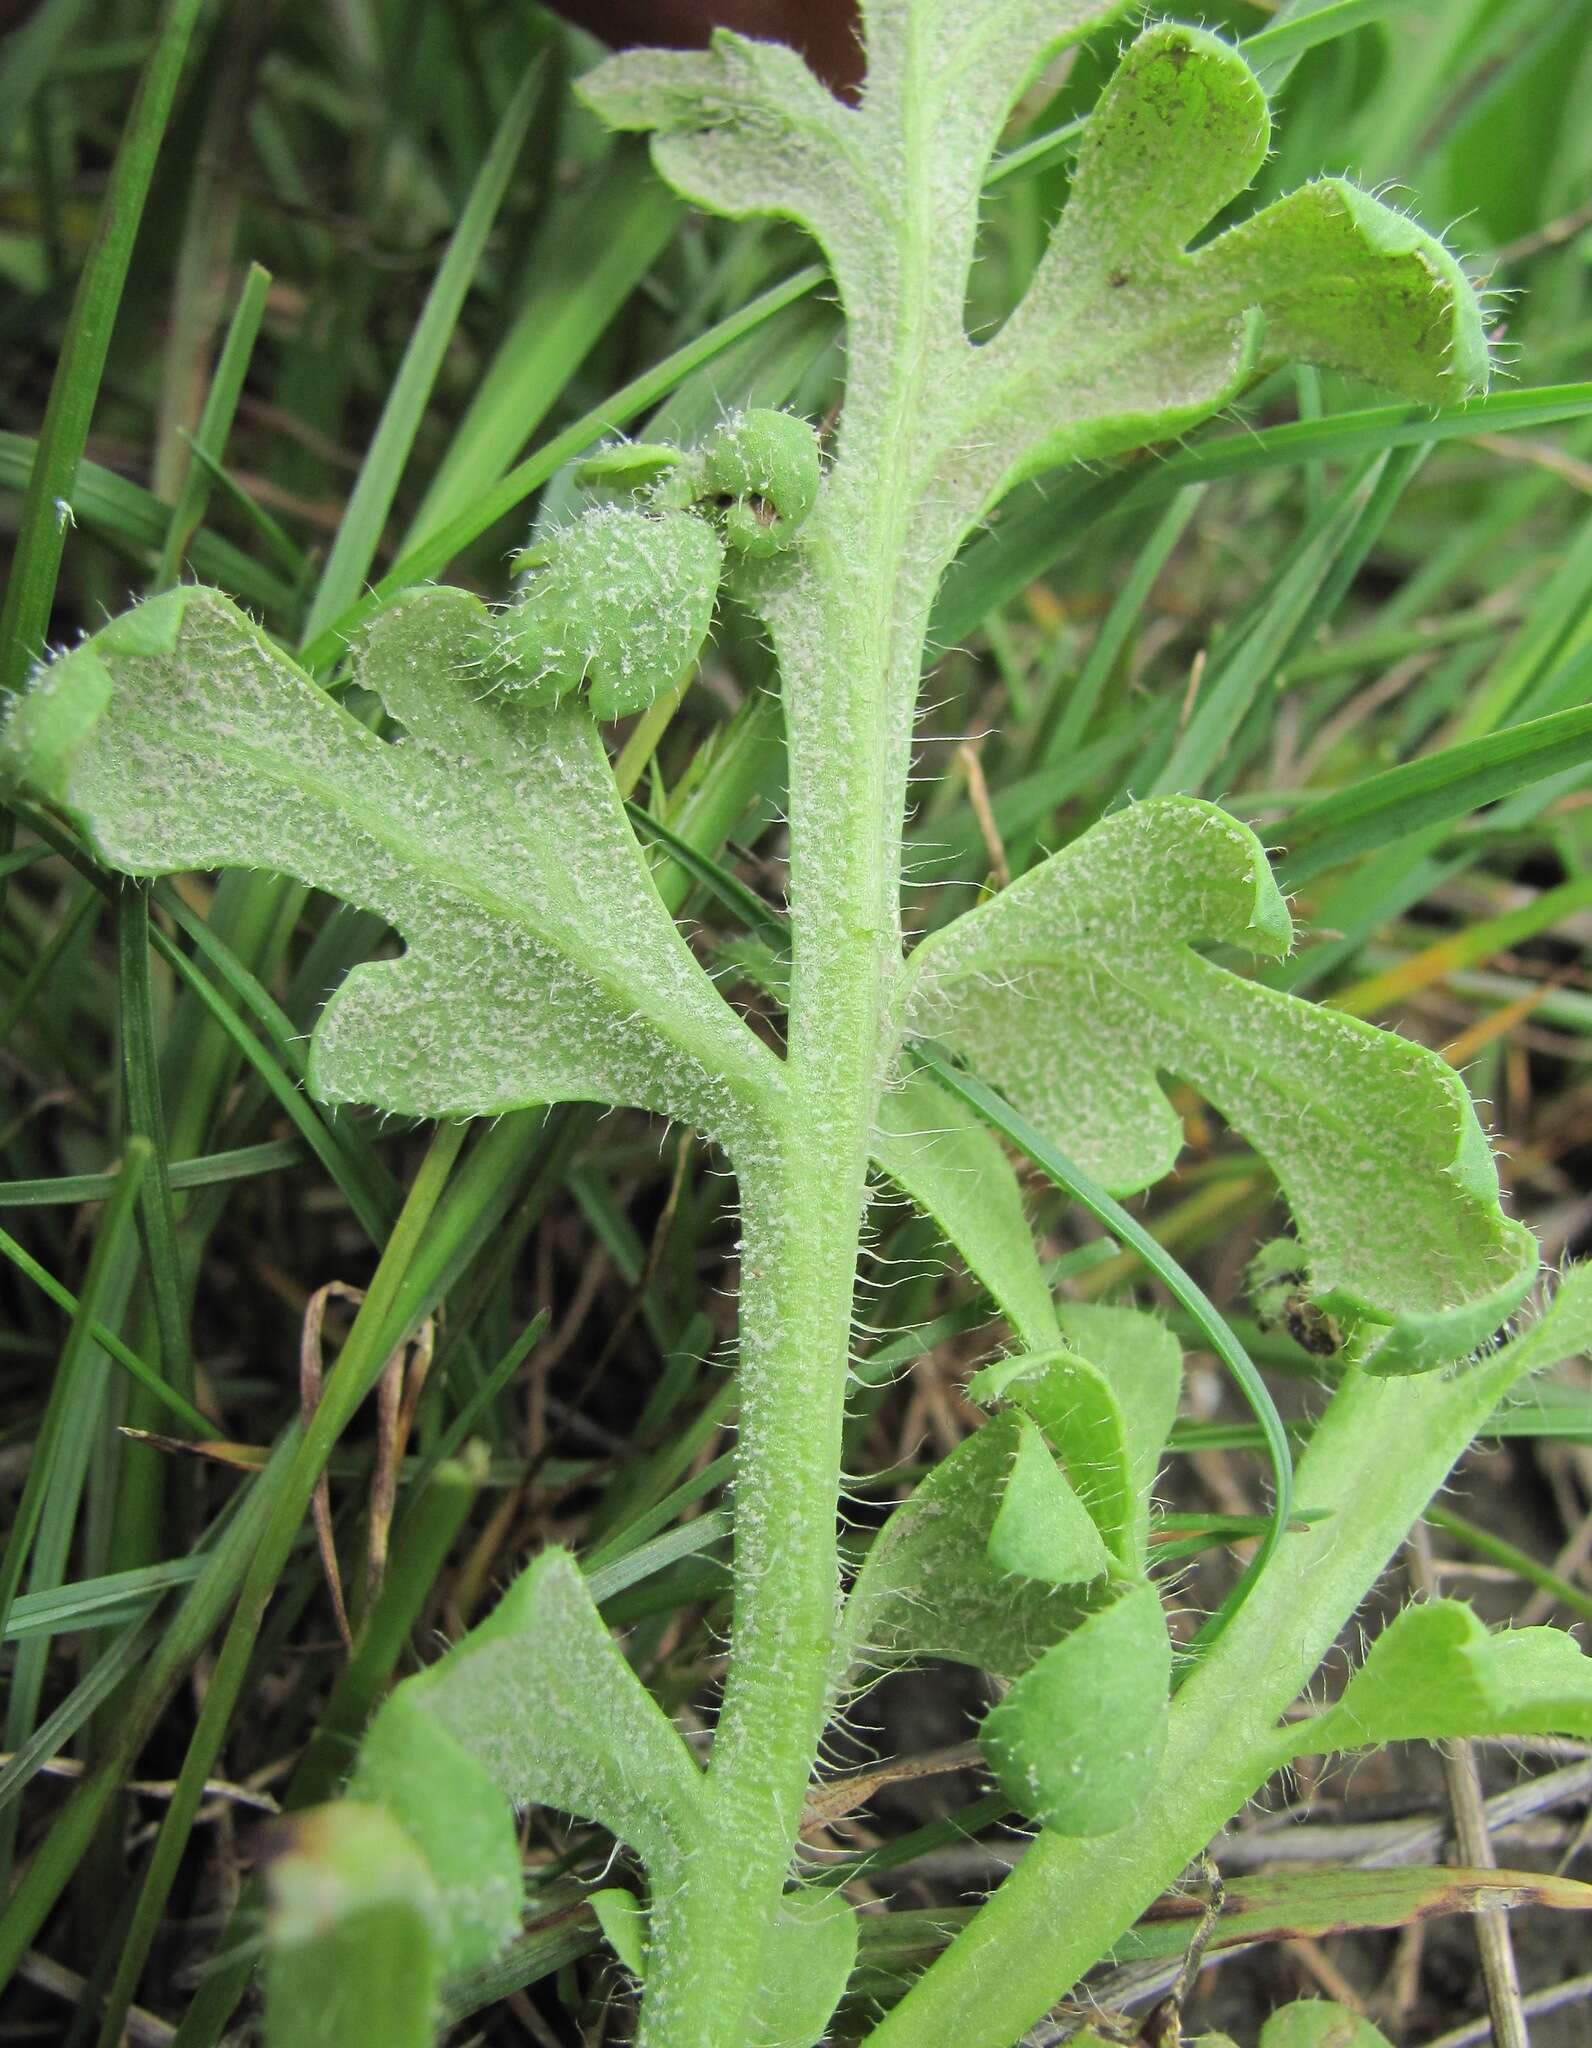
[1042, 1529]
[540, 1695]
[352, 1957]
[1437, 1672]
[1126, 334]
[1072, 1401]
[929, 1586]
[541, 964]
[938, 1152]
[1078, 985]
[745, 128]
[1076, 1741]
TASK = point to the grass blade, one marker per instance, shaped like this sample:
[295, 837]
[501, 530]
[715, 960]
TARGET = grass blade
[135, 521]
[85, 1322]
[48, 1508]
[1450, 784]
[366, 1351]
[196, 1620]
[215, 424]
[365, 516]
[593, 249]
[30, 591]
[107, 1340]
[146, 1120]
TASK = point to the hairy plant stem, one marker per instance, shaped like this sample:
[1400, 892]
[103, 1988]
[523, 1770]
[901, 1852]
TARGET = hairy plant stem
[1068, 1900]
[848, 633]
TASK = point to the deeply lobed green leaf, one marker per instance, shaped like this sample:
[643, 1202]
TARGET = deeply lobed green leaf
[1437, 1672]
[1077, 986]
[1126, 334]
[540, 963]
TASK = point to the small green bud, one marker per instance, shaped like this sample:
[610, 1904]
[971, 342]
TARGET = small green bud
[620, 601]
[1278, 1284]
[760, 471]
[629, 465]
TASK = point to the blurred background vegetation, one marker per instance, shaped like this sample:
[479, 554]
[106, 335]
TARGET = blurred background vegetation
[386, 282]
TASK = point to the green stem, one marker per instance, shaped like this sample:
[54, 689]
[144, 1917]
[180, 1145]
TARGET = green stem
[799, 1251]
[848, 633]
[1068, 1901]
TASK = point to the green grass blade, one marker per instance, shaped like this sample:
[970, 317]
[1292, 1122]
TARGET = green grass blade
[365, 516]
[1040, 521]
[1482, 1542]
[425, 1536]
[370, 1343]
[49, 957]
[85, 1699]
[85, 1322]
[30, 53]
[1276, 50]
[246, 1162]
[594, 247]
[1277, 625]
[107, 1340]
[113, 1596]
[743, 903]
[480, 1402]
[1558, 628]
[215, 424]
[1117, 625]
[48, 1508]
[146, 1120]
[366, 1204]
[1370, 431]
[1449, 784]
[196, 1620]
[30, 590]
[134, 520]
